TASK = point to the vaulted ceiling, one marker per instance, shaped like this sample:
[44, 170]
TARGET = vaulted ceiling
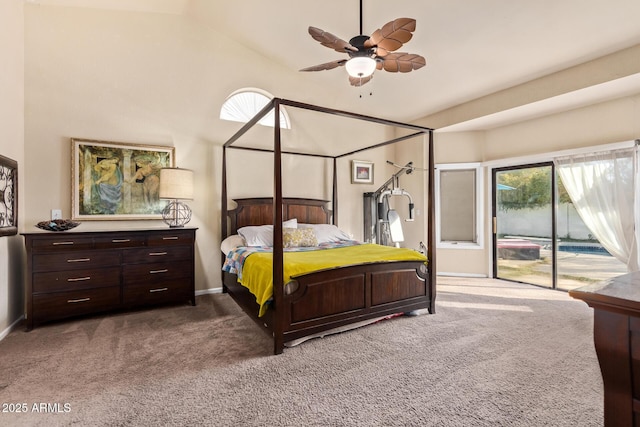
[542, 55]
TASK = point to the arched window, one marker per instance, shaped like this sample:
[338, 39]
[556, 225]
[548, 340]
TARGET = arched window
[245, 103]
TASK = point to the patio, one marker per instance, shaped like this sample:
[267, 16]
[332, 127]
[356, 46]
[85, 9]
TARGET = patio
[574, 269]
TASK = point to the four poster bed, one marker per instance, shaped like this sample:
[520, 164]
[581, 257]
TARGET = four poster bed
[340, 284]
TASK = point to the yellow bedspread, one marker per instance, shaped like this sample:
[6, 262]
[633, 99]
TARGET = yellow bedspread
[258, 278]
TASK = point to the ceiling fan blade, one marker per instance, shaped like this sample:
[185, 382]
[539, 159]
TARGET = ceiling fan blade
[392, 35]
[331, 41]
[359, 81]
[326, 66]
[402, 62]
[381, 52]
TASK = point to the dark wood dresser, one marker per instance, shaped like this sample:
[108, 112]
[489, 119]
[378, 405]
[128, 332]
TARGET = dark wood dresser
[75, 273]
[616, 334]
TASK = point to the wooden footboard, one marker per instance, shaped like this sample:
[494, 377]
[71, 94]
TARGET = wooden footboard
[336, 297]
[332, 298]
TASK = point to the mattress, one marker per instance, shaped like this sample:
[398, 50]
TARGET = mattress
[254, 265]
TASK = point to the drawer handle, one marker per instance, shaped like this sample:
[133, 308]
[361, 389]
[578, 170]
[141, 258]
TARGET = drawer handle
[164, 270]
[79, 260]
[120, 240]
[78, 300]
[78, 279]
[170, 238]
[157, 253]
[159, 290]
[62, 243]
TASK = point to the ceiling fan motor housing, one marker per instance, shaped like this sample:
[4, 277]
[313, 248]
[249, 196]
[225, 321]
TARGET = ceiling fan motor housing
[358, 42]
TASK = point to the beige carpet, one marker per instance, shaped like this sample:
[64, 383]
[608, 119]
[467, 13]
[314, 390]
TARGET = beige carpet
[495, 354]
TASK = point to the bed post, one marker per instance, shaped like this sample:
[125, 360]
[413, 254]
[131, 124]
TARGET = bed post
[334, 197]
[278, 256]
[224, 209]
[431, 245]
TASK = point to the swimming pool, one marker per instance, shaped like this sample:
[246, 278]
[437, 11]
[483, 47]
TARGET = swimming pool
[584, 249]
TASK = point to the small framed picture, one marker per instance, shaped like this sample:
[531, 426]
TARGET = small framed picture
[361, 172]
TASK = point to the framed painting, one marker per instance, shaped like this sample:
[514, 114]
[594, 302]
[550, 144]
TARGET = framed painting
[361, 172]
[8, 196]
[117, 181]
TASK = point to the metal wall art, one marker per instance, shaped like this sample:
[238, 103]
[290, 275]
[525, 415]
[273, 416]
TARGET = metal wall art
[8, 196]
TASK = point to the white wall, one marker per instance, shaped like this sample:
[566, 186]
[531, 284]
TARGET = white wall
[12, 146]
[461, 147]
[161, 79]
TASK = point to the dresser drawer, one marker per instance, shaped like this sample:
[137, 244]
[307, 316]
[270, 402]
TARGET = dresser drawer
[157, 254]
[156, 272]
[74, 303]
[158, 292]
[119, 241]
[75, 260]
[69, 280]
[62, 242]
[174, 238]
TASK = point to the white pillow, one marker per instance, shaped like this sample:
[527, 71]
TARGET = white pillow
[257, 235]
[262, 235]
[231, 243]
[327, 233]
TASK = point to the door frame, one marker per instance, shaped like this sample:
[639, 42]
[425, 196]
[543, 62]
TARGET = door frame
[494, 224]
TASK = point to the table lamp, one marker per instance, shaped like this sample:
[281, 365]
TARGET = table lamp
[176, 184]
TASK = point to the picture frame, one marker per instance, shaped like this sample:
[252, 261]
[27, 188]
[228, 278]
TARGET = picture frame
[361, 172]
[8, 196]
[117, 180]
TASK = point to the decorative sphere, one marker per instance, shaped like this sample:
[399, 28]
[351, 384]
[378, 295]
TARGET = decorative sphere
[176, 214]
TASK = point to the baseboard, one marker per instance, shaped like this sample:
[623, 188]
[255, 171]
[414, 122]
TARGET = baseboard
[484, 276]
[11, 327]
[209, 291]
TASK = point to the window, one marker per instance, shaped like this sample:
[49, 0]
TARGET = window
[245, 103]
[458, 205]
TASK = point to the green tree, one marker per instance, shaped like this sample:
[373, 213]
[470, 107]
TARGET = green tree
[530, 188]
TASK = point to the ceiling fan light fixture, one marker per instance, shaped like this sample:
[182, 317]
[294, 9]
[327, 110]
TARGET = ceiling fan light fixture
[360, 66]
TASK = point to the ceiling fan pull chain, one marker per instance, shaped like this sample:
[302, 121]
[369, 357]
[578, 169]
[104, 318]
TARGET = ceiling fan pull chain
[360, 87]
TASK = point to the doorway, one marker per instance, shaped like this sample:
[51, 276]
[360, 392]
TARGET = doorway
[523, 224]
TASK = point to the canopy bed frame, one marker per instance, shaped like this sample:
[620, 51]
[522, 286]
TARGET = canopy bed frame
[337, 297]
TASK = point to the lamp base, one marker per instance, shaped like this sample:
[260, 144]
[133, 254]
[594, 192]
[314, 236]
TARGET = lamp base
[176, 214]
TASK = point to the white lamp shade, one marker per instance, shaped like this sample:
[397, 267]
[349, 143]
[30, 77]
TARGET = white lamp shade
[176, 183]
[360, 66]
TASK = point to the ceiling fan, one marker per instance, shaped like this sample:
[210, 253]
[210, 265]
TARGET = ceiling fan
[368, 53]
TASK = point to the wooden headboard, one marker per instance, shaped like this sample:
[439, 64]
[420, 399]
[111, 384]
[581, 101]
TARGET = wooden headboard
[259, 211]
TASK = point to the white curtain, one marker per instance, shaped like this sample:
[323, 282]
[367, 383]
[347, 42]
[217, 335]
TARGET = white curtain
[603, 188]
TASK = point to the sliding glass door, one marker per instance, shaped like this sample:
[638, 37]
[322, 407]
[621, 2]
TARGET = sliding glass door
[538, 235]
[523, 225]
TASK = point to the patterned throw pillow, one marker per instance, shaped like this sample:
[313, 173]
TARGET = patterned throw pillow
[299, 237]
